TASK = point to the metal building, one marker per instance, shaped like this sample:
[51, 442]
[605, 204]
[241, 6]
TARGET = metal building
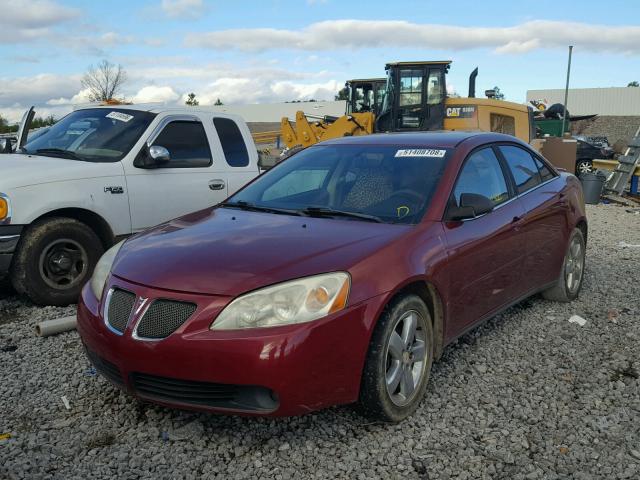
[613, 101]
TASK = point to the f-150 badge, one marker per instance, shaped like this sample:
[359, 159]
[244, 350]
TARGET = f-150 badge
[113, 190]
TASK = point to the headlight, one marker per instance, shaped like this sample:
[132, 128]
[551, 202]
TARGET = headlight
[102, 270]
[287, 303]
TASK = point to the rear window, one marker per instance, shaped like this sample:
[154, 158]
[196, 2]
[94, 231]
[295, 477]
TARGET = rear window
[233, 145]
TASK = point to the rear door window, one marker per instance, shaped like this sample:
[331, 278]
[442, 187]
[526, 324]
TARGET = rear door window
[523, 168]
[233, 144]
[482, 175]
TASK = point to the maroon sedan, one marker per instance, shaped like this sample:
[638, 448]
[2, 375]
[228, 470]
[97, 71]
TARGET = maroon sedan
[337, 277]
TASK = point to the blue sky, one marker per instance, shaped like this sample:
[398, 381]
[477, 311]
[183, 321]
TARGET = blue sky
[264, 51]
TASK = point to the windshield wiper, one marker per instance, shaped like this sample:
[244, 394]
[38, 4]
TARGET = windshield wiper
[59, 152]
[330, 212]
[242, 205]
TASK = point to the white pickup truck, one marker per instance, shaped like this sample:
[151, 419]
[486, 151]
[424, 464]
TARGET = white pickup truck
[101, 173]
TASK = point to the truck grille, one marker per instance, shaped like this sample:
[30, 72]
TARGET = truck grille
[163, 317]
[119, 309]
[205, 394]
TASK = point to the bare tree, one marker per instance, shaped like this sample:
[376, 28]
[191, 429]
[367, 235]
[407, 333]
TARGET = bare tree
[104, 81]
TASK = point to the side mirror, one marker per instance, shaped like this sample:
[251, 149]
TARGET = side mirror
[5, 145]
[472, 205]
[152, 157]
[159, 154]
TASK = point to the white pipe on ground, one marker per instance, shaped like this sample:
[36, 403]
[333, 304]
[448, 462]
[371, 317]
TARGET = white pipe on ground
[53, 327]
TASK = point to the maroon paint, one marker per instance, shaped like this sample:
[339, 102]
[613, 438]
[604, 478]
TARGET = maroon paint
[209, 257]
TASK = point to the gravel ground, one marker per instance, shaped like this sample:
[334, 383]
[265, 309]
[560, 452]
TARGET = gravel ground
[526, 396]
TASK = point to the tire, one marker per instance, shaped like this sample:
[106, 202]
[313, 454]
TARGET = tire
[375, 400]
[568, 286]
[54, 259]
[584, 166]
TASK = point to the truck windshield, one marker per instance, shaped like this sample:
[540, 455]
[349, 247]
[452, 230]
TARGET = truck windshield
[92, 135]
[383, 183]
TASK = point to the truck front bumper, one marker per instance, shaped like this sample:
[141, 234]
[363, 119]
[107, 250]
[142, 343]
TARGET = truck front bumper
[9, 238]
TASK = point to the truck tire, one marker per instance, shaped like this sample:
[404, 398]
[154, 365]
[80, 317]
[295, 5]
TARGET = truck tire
[399, 361]
[55, 258]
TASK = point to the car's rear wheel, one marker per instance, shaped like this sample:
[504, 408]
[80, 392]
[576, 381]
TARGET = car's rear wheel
[54, 259]
[584, 166]
[399, 361]
[569, 283]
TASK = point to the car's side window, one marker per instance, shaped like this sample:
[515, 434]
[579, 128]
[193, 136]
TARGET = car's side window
[523, 168]
[233, 145]
[187, 144]
[545, 171]
[482, 174]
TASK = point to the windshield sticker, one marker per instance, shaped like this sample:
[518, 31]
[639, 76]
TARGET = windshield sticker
[421, 152]
[123, 117]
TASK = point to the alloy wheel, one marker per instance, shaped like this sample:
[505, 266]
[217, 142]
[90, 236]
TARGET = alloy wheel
[574, 266]
[405, 358]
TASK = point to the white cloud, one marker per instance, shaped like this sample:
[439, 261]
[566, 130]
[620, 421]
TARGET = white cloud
[358, 34]
[183, 8]
[152, 94]
[113, 38]
[29, 20]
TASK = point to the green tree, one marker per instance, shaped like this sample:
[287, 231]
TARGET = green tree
[633, 84]
[499, 95]
[191, 100]
[343, 94]
[218, 103]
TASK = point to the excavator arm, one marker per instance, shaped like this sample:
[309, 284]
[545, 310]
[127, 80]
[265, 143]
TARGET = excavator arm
[306, 133]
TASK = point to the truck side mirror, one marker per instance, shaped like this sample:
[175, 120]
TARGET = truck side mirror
[152, 156]
[5, 145]
[159, 154]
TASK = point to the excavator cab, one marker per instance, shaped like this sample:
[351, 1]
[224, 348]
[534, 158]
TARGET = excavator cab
[414, 98]
[365, 95]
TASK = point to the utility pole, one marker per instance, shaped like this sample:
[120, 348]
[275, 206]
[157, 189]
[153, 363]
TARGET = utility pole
[566, 91]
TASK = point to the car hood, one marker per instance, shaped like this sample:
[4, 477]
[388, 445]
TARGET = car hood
[20, 170]
[227, 252]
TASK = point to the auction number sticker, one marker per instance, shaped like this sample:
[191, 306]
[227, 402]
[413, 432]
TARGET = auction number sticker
[421, 152]
[123, 117]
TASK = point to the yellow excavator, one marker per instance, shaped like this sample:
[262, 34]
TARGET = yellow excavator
[413, 97]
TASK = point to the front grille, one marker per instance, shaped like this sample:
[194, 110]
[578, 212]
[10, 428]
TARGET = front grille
[119, 309]
[107, 369]
[163, 317]
[205, 394]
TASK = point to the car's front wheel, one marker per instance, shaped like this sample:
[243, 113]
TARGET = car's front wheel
[584, 166]
[399, 361]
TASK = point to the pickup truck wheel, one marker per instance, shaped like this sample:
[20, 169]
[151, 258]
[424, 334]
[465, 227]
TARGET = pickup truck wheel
[55, 257]
[399, 361]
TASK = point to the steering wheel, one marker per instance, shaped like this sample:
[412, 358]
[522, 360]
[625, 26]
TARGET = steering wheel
[408, 194]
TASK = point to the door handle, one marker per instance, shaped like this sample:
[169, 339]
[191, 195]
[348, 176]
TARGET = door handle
[217, 184]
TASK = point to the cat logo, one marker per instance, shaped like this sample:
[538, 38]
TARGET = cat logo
[114, 190]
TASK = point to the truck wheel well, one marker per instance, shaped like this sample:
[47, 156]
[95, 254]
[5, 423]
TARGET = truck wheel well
[428, 293]
[94, 221]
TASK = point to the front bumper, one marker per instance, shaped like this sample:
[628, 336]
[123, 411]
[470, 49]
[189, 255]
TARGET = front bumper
[9, 238]
[279, 371]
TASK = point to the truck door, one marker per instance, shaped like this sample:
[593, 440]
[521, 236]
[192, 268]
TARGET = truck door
[192, 179]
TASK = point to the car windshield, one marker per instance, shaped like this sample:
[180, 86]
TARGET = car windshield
[92, 135]
[390, 184]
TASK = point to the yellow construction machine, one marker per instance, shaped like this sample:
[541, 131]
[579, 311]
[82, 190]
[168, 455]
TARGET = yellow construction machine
[414, 98]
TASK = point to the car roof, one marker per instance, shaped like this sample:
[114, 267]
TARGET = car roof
[445, 139]
[161, 108]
